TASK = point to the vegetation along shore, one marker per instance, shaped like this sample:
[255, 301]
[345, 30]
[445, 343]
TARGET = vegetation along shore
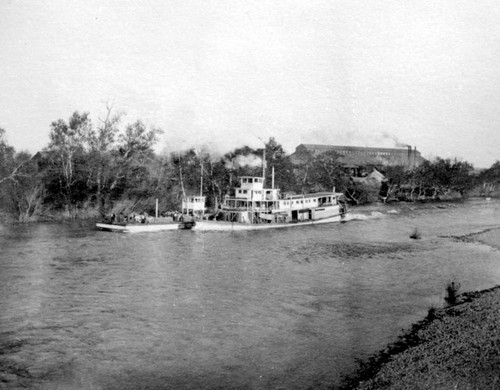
[454, 347]
[91, 169]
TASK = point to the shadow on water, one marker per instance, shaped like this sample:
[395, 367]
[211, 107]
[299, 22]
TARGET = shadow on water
[347, 250]
[69, 263]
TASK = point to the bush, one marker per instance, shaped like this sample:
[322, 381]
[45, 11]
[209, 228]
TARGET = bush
[431, 314]
[452, 292]
[415, 234]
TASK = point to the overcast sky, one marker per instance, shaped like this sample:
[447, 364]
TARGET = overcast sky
[224, 73]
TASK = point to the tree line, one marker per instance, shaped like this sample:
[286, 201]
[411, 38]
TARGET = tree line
[88, 170]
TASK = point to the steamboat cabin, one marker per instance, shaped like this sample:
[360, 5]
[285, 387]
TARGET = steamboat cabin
[254, 204]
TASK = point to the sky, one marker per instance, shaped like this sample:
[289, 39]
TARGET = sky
[224, 74]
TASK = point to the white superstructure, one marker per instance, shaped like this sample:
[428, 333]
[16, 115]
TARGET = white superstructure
[254, 204]
[194, 205]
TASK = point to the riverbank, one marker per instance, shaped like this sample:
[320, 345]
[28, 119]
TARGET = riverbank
[455, 347]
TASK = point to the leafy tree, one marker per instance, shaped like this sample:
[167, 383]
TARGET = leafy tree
[87, 166]
[462, 177]
[304, 172]
[129, 174]
[489, 179]
[135, 148]
[433, 179]
[27, 191]
[9, 172]
[328, 172]
[492, 174]
[137, 142]
[102, 165]
[67, 146]
[188, 167]
[21, 192]
[9, 169]
[196, 171]
[362, 191]
[396, 176]
[277, 158]
[218, 178]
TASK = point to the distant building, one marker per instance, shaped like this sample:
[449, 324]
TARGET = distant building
[357, 158]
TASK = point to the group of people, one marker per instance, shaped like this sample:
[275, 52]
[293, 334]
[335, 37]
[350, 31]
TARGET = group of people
[124, 218]
[145, 218]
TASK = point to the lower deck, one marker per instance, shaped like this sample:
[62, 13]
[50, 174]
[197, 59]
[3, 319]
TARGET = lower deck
[277, 217]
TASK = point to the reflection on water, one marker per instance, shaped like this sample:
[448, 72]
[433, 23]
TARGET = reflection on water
[284, 309]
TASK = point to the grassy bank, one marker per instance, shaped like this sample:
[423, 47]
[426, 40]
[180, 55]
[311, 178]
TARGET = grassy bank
[455, 347]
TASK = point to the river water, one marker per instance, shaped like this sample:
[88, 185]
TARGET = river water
[285, 309]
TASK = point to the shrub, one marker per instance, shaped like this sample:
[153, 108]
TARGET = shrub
[415, 234]
[431, 313]
[452, 292]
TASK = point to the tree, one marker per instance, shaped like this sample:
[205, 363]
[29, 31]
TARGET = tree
[363, 190]
[9, 170]
[196, 172]
[102, 166]
[277, 158]
[433, 179]
[9, 173]
[68, 144]
[328, 173]
[21, 192]
[396, 176]
[462, 178]
[27, 191]
[134, 161]
[304, 171]
[489, 179]
[137, 142]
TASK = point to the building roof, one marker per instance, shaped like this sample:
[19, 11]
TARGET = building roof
[357, 156]
[325, 148]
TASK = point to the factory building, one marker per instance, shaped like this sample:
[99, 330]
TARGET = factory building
[358, 158]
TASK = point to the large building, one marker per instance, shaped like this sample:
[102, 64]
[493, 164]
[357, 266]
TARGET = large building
[355, 157]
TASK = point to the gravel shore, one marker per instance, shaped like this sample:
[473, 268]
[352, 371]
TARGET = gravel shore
[455, 347]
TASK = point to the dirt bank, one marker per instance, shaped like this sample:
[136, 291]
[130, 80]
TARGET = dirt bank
[455, 347]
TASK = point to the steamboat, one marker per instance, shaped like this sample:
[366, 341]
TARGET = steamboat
[249, 207]
[253, 207]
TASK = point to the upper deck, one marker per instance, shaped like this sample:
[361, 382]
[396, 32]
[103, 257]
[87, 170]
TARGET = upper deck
[251, 183]
[252, 189]
[272, 202]
[193, 204]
